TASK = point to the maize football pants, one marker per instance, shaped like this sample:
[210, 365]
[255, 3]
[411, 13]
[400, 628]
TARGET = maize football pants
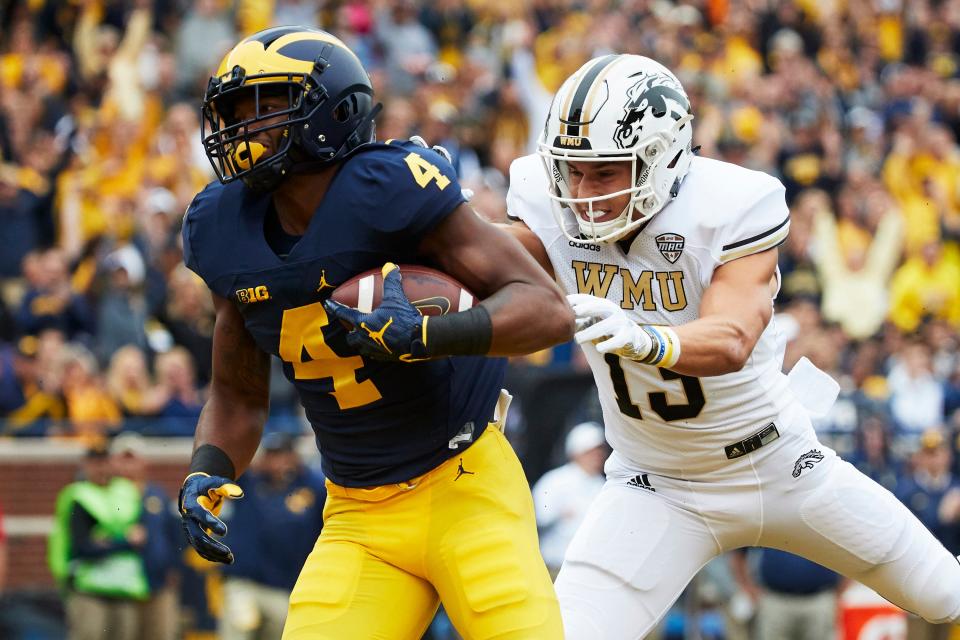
[463, 533]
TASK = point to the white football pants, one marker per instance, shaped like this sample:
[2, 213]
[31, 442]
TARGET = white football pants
[646, 536]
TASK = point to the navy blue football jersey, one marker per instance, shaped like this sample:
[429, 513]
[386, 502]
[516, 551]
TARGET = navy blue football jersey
[375, 422]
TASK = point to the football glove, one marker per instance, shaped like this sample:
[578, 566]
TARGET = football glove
[607, 325]
[201, 498]
[394, 331]
[420, 142]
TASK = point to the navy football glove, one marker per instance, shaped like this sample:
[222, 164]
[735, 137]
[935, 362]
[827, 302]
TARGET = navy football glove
[393, 331]
[201, 498]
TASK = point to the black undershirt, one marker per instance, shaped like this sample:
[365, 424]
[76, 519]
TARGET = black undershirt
[279, 240]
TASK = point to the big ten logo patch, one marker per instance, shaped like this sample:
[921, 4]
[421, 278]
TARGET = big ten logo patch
[253, 294]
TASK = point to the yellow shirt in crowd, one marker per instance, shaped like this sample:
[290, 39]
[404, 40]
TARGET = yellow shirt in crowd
[919, 289]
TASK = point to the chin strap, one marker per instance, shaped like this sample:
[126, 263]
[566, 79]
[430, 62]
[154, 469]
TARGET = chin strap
[675, 189]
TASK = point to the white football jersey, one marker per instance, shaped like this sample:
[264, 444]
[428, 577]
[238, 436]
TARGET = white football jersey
[662, 421]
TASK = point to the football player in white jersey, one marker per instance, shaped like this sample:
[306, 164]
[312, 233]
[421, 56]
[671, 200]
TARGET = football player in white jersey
[671, 263]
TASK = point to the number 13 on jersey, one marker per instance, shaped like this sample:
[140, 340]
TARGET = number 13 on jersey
[658, 399]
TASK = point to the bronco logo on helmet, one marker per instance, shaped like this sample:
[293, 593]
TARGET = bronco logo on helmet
[617, 109]
[648, 96]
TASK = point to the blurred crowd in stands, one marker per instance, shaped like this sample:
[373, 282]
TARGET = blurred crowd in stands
[853, 104]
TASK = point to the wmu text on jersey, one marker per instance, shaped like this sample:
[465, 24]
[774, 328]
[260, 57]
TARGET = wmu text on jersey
[595, 278]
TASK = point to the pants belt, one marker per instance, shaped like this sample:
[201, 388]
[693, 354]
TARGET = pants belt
[763, 437]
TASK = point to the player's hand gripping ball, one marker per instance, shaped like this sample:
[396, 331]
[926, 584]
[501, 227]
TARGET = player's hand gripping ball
[392, 331]
[387, 311]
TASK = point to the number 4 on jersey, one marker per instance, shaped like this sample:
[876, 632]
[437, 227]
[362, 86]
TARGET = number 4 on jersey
[423, 171]
[301, 333]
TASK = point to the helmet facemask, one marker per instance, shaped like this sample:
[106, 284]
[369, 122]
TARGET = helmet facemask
[230, 142]
[617, 108]
[644, 202]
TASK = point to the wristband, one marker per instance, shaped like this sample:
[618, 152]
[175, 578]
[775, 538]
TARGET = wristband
[212, 460]
[666, 346]
[467, 333]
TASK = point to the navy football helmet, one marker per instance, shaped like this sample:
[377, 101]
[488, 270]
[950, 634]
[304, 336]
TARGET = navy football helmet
[329, 111]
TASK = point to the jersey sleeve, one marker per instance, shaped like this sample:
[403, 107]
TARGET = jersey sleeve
[527, 199]
[405, 190]
[189, 257]
[202, 237]
[763, 225]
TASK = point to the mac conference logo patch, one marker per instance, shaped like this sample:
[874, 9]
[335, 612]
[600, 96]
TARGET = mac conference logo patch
[670, 245]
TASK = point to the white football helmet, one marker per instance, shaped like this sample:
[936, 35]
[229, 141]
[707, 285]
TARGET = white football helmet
[625, 108]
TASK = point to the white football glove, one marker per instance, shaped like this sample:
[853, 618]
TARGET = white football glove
[420, 142]
[607, 325]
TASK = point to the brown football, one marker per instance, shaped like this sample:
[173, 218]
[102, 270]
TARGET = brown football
[432, 292]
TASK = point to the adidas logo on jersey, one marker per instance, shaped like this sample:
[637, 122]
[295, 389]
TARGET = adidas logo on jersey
[585, 245]
[641, 482]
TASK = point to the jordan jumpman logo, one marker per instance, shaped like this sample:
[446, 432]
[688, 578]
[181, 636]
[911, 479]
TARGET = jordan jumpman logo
[462, 472]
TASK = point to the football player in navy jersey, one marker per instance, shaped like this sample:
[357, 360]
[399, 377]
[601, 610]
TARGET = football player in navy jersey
[426, 500]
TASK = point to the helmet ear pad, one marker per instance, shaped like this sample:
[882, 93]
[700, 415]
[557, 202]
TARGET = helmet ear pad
[335, 125]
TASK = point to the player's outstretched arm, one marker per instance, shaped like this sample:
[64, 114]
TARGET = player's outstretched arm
[529, 240]
[733, 314]
[735, 310]
[527, 310]
[228, 431]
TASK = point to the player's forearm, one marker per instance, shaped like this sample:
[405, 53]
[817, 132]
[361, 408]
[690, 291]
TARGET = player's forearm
[234, 427]
[713, 346]
[734, 312]
[530, 242]
[231, 422]
[527, 318]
